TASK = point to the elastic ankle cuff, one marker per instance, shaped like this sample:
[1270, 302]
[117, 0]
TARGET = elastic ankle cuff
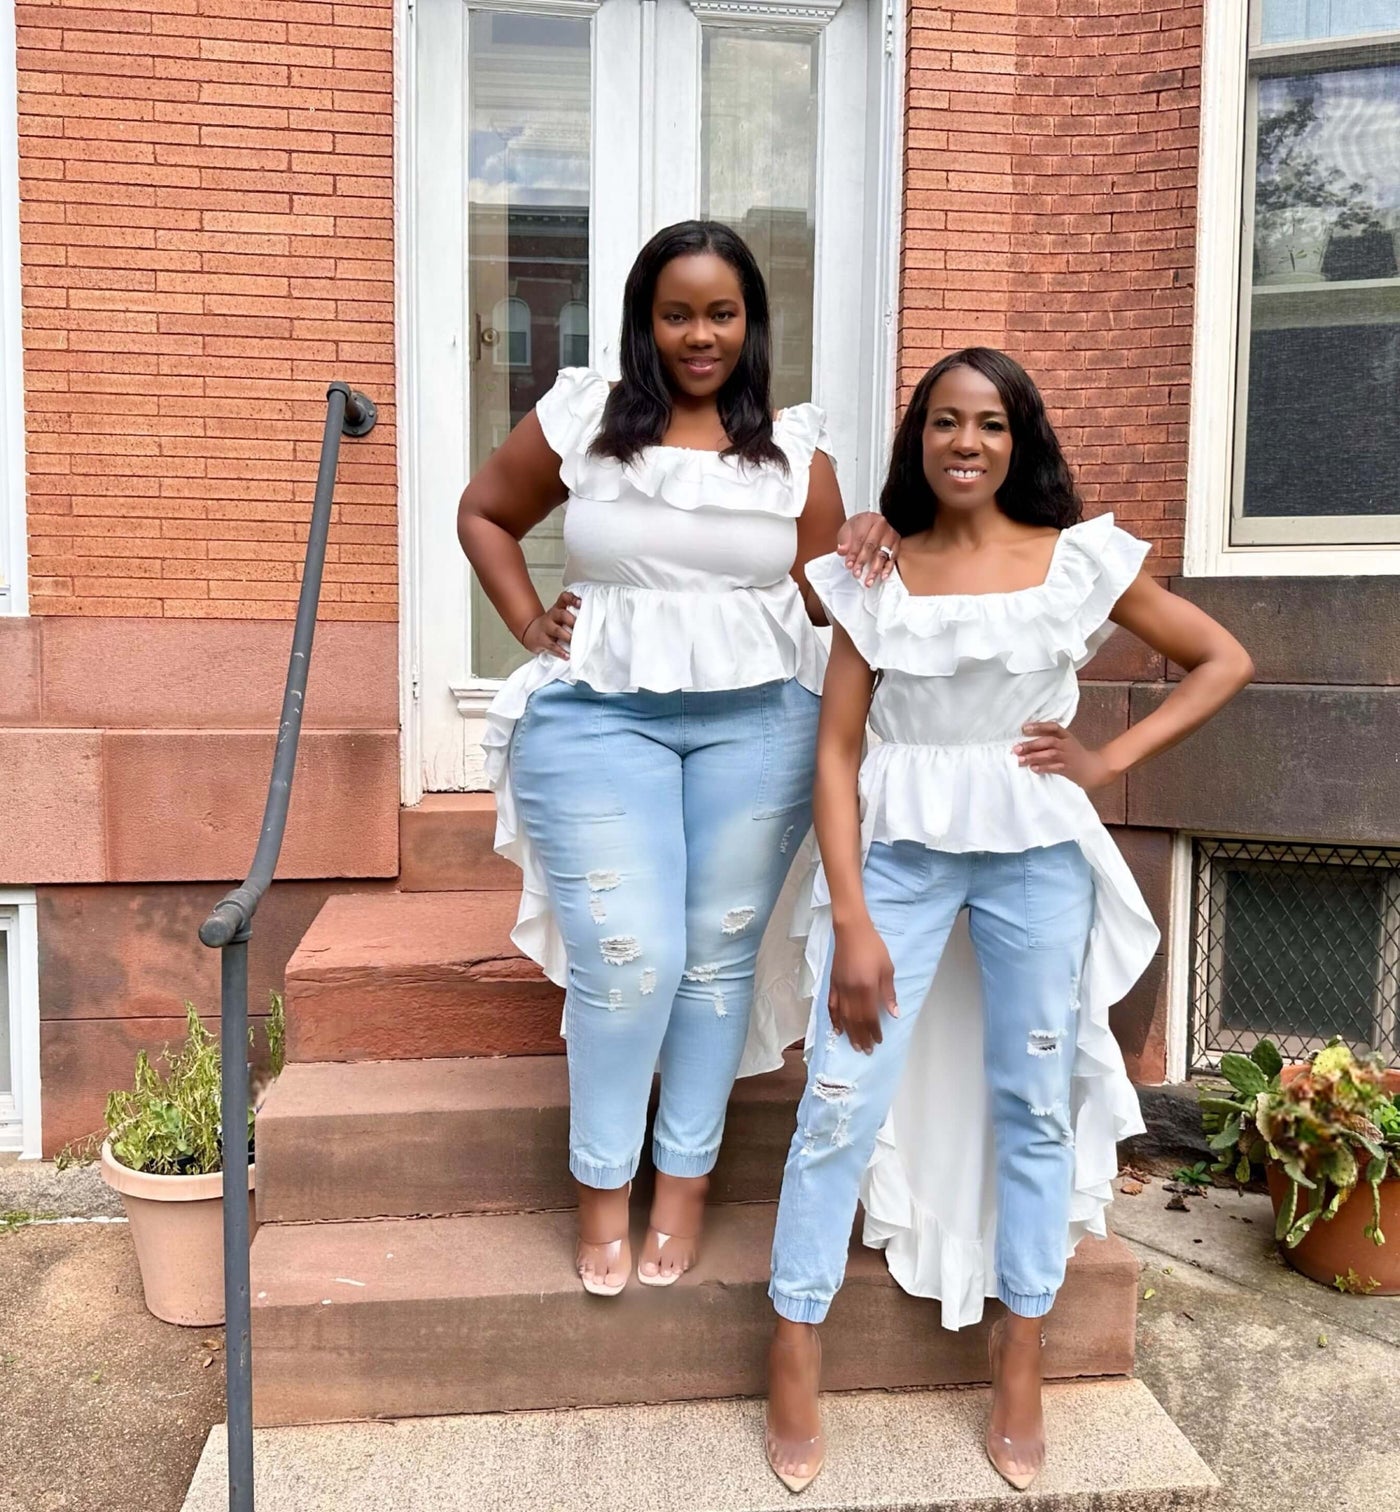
[798, 1309]
[673, 1163]
[606, 1178]
[1025, 1305]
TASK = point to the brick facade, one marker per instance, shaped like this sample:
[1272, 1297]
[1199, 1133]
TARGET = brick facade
[207, 240]
[1049, 209]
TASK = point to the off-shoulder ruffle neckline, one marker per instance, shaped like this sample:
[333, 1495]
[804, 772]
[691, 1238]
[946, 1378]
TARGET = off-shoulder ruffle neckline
[683, 477]
[1026, 629]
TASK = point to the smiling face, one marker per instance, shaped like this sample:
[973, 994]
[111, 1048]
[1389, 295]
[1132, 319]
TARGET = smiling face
[967, 440]
[698, 322]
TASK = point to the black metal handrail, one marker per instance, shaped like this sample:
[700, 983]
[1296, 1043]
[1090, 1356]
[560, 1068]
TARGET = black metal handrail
[228, 928]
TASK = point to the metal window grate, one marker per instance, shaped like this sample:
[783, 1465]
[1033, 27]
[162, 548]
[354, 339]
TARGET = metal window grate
[1294, 943]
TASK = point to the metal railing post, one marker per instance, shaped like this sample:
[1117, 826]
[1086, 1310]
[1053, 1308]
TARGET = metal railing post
[228, 929]
[238, 1321]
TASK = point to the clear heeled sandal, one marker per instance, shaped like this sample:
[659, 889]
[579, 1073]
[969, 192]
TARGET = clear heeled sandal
[1018, 1461]
[796, 1462]
[683, 1248]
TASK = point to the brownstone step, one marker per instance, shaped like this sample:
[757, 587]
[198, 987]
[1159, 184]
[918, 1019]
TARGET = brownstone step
[413, 1317]
[401, 976]
[446, 845]
[397, 1138]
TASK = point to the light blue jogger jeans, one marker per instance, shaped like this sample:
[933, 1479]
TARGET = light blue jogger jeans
[1030, 914]
[667, 823]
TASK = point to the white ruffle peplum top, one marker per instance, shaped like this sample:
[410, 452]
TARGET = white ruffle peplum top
[960, 675]
[683, 561]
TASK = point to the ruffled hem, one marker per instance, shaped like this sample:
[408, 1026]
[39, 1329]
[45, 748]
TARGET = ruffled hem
[939, 1233]
[628, 640]
[571, 412]
[1063, 620]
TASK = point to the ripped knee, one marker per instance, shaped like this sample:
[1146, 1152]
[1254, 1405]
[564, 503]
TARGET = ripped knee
[826, 1119]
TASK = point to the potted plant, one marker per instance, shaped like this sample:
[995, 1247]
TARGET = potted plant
[1330, 1129]
[162, 1149]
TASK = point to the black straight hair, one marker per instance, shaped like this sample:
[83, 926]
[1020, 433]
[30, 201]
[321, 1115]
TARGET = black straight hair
[1039, 487]
[638, 409]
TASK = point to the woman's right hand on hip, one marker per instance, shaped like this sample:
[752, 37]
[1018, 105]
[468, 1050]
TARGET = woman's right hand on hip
[554, 629]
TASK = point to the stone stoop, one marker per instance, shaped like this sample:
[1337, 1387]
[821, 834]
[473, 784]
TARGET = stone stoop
[415, 1250]
[1111, 1449]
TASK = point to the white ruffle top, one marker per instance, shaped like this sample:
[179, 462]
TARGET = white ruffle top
[683, 562]
[960, 675]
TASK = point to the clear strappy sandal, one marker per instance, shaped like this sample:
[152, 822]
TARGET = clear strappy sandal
[685, 1248]
[596, 1259]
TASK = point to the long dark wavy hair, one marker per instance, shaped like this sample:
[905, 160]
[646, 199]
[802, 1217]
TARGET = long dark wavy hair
[1039, 487]
[638, 409]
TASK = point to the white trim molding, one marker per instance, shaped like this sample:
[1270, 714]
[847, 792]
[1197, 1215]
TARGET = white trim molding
[1178, 936]
[1219, 340]
[800, 15]
[20, 1123]
[14, 562]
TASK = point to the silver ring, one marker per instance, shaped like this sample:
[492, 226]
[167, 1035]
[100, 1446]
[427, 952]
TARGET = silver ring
[887, 551]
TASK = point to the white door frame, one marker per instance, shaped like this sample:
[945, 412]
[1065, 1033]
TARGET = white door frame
[20, 1121]
[860, 169]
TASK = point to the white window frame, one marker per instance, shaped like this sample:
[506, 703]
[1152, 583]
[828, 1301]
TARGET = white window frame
[14, 564]
[20, 1122]
[1209, 1007]
[862, 154]
[1220, 334]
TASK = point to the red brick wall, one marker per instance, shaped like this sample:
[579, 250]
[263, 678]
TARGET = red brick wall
[1050, 210]
[207, 240]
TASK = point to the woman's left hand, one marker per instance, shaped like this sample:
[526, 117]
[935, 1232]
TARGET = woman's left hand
[869, 545]
[1052, 748]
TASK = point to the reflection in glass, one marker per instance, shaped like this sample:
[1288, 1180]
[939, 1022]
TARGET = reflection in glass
[1310, 20]
[759, 175]
[528, 93]
[1322, 431]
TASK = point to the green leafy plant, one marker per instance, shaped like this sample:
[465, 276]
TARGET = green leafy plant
[1196, 1176]
[169, 1122]
[1330, 1127]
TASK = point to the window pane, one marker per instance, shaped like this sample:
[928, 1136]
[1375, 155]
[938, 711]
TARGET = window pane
[6, 1082]
[1301, 951]
[1322, 433]
[528, 95]
[1304, 20]
[759, 175]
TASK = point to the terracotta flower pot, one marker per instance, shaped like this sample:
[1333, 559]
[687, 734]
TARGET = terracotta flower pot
[177, 1227]
[1332, 1249]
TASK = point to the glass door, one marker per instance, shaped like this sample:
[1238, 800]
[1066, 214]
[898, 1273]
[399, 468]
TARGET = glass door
[546, 140]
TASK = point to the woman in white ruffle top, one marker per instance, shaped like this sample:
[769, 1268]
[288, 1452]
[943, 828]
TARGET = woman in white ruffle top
[652, 764]
[971, 1096]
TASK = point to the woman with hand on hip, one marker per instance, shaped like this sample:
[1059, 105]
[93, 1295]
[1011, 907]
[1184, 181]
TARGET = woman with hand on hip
[653, 764]
[1005, 1088]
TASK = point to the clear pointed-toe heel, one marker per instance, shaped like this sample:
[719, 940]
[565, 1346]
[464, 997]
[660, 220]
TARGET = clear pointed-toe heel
[1018, 1461]
[796, 1462]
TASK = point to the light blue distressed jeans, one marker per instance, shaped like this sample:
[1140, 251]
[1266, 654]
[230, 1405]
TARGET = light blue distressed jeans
[666, 823]
[1030, 913]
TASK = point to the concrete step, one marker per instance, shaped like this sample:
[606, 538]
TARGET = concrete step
[416, 1317]
[1111, 1449]
[401, 976]
[445, 845]
[374, 1139]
